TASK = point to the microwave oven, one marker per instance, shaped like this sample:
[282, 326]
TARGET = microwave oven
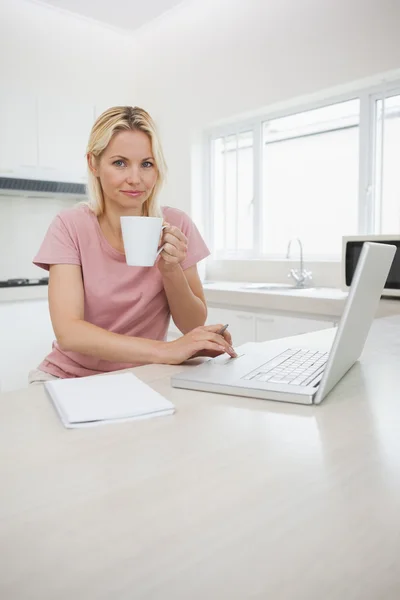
[351, 250]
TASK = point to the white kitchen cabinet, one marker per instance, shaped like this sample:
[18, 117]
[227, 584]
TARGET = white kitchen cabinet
[218, 315]
[18, 134]
[241, 327]
[44, 137]
[26, 338]
[247, 326]
[215, 315]
[63, 133]
[269, 327]
[241, 323]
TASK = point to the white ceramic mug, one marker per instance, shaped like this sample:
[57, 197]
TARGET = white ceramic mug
[141, 237]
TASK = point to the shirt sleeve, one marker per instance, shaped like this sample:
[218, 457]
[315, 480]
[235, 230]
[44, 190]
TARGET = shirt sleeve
[197, 248]
[58, 247]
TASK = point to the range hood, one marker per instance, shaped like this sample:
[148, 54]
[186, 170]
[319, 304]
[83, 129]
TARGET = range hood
[15, 186]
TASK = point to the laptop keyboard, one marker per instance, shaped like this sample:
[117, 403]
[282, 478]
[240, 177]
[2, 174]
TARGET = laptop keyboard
[294, 367]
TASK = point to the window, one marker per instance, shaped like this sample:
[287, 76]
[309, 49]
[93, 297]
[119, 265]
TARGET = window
[387, 175]
[233, 192]
[317, 174]
[310, 178]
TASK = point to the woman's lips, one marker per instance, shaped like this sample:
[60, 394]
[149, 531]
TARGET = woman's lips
[132, 194]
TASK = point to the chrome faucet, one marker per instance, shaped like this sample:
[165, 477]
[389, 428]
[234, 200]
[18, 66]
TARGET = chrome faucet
[300, 275]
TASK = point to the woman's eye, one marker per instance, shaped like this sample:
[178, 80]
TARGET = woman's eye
[147, 164]
[118, 163]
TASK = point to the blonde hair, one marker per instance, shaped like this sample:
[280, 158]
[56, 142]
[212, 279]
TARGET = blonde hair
[110, 122]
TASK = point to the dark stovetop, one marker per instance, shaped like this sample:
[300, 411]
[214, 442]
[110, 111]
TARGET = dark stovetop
[23, 282]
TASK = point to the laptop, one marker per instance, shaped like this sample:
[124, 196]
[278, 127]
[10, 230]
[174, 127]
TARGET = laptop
[304, 375]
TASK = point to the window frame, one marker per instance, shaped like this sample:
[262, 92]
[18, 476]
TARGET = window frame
[383, 94]
[367, 166]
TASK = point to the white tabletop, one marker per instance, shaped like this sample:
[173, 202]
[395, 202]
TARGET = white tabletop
[230, 498]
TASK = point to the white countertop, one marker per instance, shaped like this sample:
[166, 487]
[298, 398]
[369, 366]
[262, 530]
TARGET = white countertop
[230, 498]
[322, 301]
[15, 294]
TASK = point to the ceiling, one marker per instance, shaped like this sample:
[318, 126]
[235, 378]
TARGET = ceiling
[122, 14]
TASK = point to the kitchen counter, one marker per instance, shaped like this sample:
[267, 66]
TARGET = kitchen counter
[327, 302]
[17, 294]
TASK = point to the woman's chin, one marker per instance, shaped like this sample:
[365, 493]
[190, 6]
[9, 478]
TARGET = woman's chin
[130, 203]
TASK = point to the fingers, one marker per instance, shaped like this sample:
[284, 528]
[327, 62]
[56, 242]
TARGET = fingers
[171, 232]
[215, 328]
[209, 353]
[215, 338]
[174, 241]
[172, 257]
[174, 238]
[218, 339]
[210, 346]
[173, 250]
[228, 337]
[201, 342]
[175, 246]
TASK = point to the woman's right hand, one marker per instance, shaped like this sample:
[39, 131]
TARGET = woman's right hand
[201, 341]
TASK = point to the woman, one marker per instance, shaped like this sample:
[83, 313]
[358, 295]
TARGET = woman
[107, 315]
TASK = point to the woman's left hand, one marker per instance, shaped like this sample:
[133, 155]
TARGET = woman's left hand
[175, 248]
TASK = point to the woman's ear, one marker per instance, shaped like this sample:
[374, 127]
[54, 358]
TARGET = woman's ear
[91, 161]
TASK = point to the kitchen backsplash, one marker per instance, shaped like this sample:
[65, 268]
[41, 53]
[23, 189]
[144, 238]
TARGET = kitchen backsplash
[23, 224]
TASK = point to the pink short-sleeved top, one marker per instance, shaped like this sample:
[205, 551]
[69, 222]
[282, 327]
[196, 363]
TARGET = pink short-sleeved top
[119, 298]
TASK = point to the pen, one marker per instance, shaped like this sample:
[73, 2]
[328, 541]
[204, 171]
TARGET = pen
[224, 328]
[220, 332]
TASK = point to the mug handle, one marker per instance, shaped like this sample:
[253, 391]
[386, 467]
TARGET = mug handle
[163, 246]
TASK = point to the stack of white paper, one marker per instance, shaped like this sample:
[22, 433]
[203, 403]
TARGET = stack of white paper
[87, 401]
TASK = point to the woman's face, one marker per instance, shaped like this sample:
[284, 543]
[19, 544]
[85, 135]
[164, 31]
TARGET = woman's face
[127, 171]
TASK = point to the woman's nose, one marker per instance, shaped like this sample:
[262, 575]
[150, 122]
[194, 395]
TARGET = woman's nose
[133, 177]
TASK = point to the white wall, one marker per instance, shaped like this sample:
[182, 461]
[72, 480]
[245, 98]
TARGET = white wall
[216, 58]
[206, 61]
[54, 57]
[23, 224]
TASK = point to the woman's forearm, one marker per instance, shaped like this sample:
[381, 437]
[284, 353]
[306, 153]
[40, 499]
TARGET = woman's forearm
[86, 338]
[187, 310]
